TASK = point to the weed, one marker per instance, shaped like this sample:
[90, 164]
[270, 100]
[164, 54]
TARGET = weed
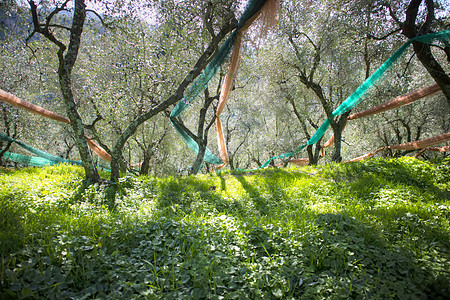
[376, 229]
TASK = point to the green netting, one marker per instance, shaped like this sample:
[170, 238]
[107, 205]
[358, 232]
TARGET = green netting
[28, 160]
[362, 91]
[209, 156]
[443, 36]
[48, 156]
[194, 91]
[200, 84]
[45, 157]
[205, 77]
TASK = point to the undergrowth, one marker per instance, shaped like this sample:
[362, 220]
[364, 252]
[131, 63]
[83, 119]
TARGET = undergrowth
[377, 229]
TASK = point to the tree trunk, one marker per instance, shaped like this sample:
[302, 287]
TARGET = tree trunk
[202, 135]
[201, 63]
[337, 147]
[424, 54]
[77, 126]
[66, 64]
[201, 141]
[145, 167]
[338, 127]
[423, 51]
[199, 159]
[231, 162]
[313, 153]
[7, 125]
[8, 145]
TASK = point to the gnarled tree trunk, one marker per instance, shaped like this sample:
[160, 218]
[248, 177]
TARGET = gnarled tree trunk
[66, 64]
[423, 51]
[116, 154]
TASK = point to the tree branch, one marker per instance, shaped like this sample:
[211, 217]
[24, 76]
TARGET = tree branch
[44, 31]
[207, 19]
[59, 26]
[370, 36]
[75, 34]
[53, 13]
[392, 14]
[409, 26]
[425, 28]
[97, 15]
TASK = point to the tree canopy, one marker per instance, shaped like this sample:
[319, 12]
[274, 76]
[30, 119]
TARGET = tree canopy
[117, 69]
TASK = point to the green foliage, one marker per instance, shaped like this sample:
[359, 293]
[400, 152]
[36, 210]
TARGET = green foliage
[376, 229]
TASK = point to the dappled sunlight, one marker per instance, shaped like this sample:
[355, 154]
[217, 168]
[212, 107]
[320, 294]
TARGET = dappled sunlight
[283, 233]
[130, 91]
[324, 207]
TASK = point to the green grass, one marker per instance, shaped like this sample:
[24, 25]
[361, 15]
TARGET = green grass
[377, 229]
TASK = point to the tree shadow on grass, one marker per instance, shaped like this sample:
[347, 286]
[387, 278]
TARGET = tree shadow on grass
[364, 262]
[362, 180]
[194, 195]
[268, 192]
[262, 195]
[12, 233]
[405, 174]
[223, 185]
[336, 256]
[260, 203]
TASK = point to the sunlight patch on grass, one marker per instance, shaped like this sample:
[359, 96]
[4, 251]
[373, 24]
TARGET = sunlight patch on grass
[374, 230]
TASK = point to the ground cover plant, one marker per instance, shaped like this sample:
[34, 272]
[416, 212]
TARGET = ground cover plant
[377, 229]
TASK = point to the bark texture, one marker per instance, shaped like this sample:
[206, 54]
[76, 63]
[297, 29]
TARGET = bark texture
[116, 155]
[67, 56]
[423, 51]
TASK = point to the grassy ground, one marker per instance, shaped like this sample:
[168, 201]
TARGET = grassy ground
[377, 229]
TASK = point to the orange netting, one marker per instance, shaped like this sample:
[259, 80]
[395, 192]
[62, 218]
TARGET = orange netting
[98, 150]
[435, 149]
[368, 155]
[268, 14]
[425, 143]
[391, 104]
[15, 101]
[398, 101]
[225, 92]
[300, 161]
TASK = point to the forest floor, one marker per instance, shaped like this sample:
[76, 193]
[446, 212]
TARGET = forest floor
[377, 229]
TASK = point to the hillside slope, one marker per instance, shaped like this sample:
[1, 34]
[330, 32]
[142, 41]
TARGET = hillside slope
[377, 229]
